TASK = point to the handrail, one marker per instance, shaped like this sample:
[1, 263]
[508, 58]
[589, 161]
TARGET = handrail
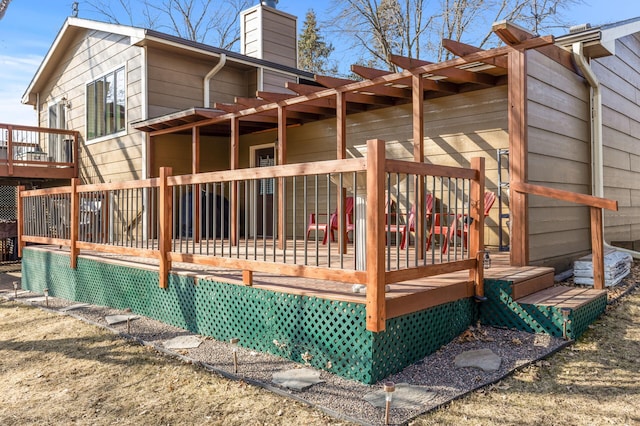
[559, 194]
[595, 204]
[39, 129]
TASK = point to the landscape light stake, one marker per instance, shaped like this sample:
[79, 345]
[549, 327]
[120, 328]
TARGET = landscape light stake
[565, 320]
[15, 289]
[46, 296]
[234, 342]
[389, 388]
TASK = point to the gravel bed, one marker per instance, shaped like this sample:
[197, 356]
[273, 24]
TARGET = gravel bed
[338, 396]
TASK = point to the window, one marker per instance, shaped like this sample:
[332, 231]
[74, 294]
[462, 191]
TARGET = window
[105, 105]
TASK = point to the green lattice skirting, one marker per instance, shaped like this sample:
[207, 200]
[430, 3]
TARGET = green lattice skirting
[333, 332]
[502, 311]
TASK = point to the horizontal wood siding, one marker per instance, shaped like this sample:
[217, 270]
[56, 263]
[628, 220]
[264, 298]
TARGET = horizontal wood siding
[279, 38]
[251, 26]
[457, 128]
[274, 81]
[620, 83]
[176, 82]
[175, 151]
[559, 157]
[88, 56]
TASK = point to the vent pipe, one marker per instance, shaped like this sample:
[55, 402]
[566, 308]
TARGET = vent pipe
[270, 3]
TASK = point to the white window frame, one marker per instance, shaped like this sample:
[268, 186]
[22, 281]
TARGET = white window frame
[86, 106]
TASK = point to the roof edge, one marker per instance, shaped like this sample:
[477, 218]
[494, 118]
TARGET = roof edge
[72, 22]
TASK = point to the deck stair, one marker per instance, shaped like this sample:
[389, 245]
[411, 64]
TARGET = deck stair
[528, 300]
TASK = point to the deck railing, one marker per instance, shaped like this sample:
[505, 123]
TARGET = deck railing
[37, 148]
[274, 220]
[595, 204]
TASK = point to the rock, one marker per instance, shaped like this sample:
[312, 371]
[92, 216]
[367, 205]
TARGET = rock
[297, 379]
[117, 319]
[183, 342]
[484, 359]
[405, 396]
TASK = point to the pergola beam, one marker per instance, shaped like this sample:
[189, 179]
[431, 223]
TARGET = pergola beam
[382, 90]
[514, 36]
[432, 85]
[462, 49]
[452, 73]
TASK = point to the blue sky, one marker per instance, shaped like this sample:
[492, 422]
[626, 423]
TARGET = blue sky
[30, 26]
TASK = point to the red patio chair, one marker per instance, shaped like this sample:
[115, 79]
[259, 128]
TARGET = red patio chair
[445, 230]
[489, 199]
[410, 226]
[332, 224]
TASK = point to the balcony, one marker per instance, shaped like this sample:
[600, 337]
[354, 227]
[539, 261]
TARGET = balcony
[37, 153]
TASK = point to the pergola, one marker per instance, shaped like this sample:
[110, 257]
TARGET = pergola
[473, 69]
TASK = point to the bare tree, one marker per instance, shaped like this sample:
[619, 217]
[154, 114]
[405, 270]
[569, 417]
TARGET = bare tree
[379, 29]
[3, 7]
[208, 21]
[416, 27]
[459, 18]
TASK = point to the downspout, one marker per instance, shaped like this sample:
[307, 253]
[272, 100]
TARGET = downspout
[207, 78]
[597, 164]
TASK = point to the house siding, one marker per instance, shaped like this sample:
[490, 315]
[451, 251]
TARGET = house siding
[90, 55]
[457, 128]
[558, 157]
[176, 82]
[619, 77]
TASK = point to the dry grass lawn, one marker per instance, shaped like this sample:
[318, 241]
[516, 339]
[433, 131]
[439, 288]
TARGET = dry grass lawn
[596, 381]
[57, 370]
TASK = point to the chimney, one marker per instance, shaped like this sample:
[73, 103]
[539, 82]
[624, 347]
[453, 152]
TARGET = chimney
[269, 34]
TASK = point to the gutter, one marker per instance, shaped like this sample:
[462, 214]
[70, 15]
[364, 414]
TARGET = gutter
[597, 164]
[207, 79]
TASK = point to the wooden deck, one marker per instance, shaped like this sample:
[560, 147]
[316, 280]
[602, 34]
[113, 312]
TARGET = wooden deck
[402, 297]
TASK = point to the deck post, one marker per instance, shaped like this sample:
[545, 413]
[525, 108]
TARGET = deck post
[376, 302]
[597, 248]
[195, 169]
[165, 216]
[247, 277]
[74, 222]
[76, 153]
[10, 149]
[282, 159]
[341, 154]
[20, 220]
[417, 96]
[476, 228]
[233, 189]
[518, 156]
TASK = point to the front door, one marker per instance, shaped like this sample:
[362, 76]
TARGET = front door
[264, 157]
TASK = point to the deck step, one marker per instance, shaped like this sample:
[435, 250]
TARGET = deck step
[531, 283]
[562, 297]
[560, 311]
